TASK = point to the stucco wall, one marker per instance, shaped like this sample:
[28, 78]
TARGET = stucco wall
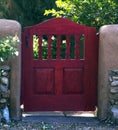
[10, 27]
[108, 60]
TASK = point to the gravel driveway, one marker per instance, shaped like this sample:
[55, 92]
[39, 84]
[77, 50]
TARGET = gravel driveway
[21, 125]
[49, 122]
[53, 126]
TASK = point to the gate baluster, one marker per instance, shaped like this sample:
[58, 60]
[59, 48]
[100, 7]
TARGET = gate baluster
[58, 46]
[49, 46]
[68, 47]
[77, 46]
[40, 46]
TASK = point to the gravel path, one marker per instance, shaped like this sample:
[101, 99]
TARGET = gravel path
[55, 126]
[57, 123]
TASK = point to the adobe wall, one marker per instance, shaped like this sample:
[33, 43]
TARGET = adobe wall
[10, 27]
[108, 60]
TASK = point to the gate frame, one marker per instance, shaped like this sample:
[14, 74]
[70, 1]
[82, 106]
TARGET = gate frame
[89, 61]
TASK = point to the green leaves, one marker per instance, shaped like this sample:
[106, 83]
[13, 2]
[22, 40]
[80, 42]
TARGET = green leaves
[88, 12]
[8, 47]
[27, 12]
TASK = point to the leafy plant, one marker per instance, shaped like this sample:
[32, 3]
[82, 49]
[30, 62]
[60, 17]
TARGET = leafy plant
[8, 47]
[88, 12]
[35, 47]
[27, 12]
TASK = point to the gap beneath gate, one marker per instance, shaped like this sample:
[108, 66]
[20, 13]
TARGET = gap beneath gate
[60, 113]
[88, 117]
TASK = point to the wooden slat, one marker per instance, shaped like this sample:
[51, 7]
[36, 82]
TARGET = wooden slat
[77, 46]
[49, 47]
[58, 46]
[40, 46]
[68, 47]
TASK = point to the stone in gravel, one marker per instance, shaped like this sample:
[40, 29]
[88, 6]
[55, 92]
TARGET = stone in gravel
[5, 94]
[113, 96]
[5, 67]
[114, 72]
[110, 79]
[5, 73]
[115, 77]
[114, 110]
[3, 88]
[114, 83]
[3, 100]
[114, 89]
[5, 81]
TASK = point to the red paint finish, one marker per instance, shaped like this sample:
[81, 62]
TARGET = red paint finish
[66, 82]
[43, 81]
[73, 81]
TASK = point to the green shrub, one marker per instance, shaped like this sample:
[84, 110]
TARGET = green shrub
[8, 47]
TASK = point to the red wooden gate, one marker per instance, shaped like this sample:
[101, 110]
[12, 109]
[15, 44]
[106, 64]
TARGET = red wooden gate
[59, 66]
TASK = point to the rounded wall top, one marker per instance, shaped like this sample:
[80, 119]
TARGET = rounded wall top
[9, 27]
[109, 28]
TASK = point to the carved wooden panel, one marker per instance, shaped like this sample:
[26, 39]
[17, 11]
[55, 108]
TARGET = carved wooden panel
[43, 81]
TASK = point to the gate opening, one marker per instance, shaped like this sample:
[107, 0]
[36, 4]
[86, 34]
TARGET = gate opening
[60, 113]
